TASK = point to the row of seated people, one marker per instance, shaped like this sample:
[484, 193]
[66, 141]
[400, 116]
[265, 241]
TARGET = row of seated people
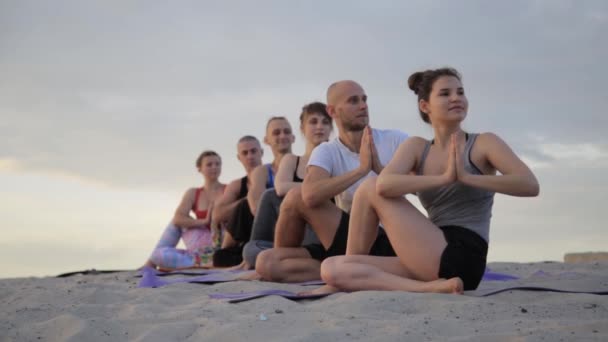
[340, 211]
[247, 208]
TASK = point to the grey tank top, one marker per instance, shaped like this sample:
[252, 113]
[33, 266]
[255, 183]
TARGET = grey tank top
[458, 204]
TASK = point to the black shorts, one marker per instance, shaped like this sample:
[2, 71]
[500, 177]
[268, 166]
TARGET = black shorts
[381, 247]
[464, 256]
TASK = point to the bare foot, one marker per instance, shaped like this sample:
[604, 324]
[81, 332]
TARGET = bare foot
[243, 266]
[250, 276]
[452, 285]
[325, 289]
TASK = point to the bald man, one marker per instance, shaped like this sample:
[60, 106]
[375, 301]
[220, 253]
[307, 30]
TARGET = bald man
[335, 170]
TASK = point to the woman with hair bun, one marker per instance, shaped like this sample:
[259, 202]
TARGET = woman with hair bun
[198, 236]
[455, 175]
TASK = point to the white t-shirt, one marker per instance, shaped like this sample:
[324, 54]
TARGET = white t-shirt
[337, 159]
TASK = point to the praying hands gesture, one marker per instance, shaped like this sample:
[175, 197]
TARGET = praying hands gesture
[368, 154]
[455, 171]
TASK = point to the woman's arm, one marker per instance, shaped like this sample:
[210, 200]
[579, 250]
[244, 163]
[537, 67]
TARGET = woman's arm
[397, 179]
[283, 182]
[516, 178]
[258, 178]
[182, 217]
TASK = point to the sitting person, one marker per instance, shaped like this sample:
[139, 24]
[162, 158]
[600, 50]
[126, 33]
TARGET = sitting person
[315, 125]
[195, 232]
[279, 137]
[229, 206]
[335, 169]
[454, 176]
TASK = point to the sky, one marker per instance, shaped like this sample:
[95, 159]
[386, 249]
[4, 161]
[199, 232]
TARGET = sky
[105, 105]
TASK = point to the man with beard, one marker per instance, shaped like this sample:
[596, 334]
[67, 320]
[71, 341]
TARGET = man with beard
[335, 170]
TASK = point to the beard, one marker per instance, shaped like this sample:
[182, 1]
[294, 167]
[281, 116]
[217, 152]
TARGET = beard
[354, 125]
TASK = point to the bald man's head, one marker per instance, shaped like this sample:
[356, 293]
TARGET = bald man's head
[337, 91]
[347, 105]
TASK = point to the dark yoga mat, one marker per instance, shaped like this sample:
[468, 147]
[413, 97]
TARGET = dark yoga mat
[565, 282]
[492, 283]
[245, 296]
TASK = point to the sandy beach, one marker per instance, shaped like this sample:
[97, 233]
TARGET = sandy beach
[111, 307]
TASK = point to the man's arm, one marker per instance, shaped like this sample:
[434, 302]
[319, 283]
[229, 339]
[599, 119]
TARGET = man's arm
[258, 185]
[225, 205]
[319, 186]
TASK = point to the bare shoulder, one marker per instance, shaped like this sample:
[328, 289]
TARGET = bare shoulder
[490, 140]
[290, 158]
[413, 145]
[288, 162]
[415, 141]
[190, 192]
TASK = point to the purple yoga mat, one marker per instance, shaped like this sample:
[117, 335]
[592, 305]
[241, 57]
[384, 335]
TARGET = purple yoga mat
[150, 278]
[244, 296]
[495, 276]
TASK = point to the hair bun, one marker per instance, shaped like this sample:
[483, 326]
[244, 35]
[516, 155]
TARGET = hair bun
[414, 81]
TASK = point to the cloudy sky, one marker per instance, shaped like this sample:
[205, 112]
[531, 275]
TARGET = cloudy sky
[104, 107]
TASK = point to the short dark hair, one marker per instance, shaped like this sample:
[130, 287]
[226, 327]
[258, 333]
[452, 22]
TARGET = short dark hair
[314, 108]
[421, 83]
[202, 156]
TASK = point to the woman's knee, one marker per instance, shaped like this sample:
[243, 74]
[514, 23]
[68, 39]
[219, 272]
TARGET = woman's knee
[266, 263]
[331, 271]
[367, 189]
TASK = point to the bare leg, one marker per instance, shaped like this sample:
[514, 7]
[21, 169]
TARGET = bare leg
[242, 266]
[417, 242]
[228, 241]
[250, 276]
[287, 265]
[290, 228]
[366, 272]
[363, 223]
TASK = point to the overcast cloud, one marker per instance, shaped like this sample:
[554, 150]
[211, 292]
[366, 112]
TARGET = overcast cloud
[121, 97]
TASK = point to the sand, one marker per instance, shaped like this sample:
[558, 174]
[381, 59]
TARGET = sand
[110, 307]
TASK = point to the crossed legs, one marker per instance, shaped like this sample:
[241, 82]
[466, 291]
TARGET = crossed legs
[288, 262]
[417, 242]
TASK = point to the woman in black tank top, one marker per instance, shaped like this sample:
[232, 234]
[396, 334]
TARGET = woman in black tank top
[455, 179]
[315, 125]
